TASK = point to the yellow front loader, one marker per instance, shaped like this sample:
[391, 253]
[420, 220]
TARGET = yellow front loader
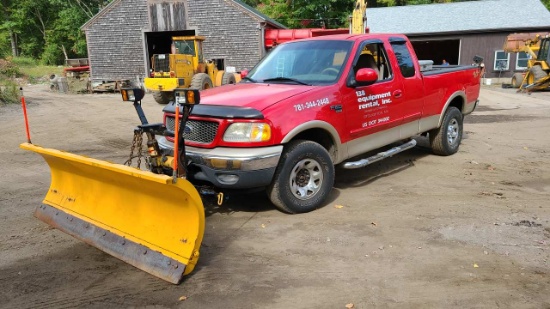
[537, 47]
[185, 67]
[152, 221]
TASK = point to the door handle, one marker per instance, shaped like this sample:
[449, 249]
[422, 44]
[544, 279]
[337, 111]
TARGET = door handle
[397, 93]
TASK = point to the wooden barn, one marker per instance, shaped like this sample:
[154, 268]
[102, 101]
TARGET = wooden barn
[124, 35]
[458, 31]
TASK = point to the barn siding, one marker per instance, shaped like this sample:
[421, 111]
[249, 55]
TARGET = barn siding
[485, 46]
[230, 33]
[115, 42]
[167, 16]
[115, 36]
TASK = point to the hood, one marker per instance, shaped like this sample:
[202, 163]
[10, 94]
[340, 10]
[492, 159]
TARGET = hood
[253, 95]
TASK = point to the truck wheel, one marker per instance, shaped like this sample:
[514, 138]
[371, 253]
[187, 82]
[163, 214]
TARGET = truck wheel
[228, 78]
[163, 97]
[201, 81]
[446, 139]
[535, 73]
[304, 178]
[517, 79]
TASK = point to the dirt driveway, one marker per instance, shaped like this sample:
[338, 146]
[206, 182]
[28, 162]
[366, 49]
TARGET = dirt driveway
[415, 231]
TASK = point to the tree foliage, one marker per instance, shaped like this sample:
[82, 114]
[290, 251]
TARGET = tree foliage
[48, 30]
[330, 13]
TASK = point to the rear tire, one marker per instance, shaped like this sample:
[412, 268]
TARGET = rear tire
[304, 178]
[163, 97]
[517, 79]
[446, 139]
[201, 81]
[228, 78]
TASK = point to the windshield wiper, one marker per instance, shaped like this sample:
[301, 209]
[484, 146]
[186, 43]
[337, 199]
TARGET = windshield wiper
[286, 79]
[250, 79]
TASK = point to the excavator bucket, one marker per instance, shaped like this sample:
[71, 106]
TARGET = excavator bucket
[139, 217]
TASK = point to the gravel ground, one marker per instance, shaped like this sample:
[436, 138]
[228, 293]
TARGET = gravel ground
[415, 231]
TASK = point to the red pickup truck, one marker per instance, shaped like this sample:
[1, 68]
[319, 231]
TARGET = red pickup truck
[312, 104]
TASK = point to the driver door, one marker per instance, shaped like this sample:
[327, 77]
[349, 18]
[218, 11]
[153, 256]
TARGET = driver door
[372, 111]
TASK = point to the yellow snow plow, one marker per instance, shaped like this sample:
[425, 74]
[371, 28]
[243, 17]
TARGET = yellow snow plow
[152, 221]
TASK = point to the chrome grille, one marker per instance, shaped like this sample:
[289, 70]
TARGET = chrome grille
[195, 131]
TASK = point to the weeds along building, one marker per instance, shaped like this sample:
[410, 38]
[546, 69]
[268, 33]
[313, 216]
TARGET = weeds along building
[124, 35]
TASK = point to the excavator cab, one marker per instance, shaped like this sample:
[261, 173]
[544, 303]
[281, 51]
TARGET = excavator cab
[544, 51]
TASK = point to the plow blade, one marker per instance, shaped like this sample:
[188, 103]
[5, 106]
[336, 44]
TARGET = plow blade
[139, 217]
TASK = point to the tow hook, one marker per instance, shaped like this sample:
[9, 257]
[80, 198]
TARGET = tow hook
[220, 197]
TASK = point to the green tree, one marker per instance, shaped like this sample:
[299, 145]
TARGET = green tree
[307, 13]
[45, 29]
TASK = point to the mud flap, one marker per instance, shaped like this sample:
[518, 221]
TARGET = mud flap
[139, 217]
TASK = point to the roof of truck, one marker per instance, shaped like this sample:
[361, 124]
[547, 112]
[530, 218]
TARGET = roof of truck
[355, 37]
[469, 16]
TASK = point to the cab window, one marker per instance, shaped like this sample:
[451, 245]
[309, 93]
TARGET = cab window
[374, 56]
[404, 58]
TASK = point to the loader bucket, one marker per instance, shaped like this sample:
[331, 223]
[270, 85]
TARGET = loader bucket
[139, 217]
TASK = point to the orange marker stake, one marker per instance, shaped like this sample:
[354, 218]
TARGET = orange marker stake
[176, 141]
[25, 115]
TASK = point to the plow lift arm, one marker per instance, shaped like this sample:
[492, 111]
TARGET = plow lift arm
[149, 220]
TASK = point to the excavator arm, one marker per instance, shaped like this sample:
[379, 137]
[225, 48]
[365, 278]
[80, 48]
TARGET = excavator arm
[358, 23]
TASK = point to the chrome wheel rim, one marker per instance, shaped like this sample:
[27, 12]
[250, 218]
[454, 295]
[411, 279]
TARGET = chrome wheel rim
[453, 131]
[306, 179]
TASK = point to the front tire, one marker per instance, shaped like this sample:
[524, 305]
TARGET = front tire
[201, 81]
[446, 139]
[535, 73]
[304, 178]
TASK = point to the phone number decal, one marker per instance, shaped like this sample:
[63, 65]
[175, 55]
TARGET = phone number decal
[311, 104]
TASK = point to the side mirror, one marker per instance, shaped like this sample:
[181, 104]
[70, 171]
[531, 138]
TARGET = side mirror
[365, 77]
[132, 94]
[244, 73]
[187, 96]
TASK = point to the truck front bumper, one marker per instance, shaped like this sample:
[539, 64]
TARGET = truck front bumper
[231, 168]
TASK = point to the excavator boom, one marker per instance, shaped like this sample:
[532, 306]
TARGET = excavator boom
[358, 18]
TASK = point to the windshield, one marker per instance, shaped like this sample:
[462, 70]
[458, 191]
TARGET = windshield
[186, 47]
[305, 62]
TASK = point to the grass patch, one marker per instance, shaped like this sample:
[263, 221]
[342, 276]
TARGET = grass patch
[9, 92]
[36, 73]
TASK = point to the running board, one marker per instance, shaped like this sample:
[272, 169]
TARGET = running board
[380, 156]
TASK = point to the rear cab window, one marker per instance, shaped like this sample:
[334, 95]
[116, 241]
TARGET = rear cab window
[404, 57]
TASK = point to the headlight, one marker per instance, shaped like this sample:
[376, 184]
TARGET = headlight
[247, 132]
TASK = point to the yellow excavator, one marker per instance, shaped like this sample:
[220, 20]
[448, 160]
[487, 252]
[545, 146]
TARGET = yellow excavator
[185, 67]
[537, 47]
[146, 218]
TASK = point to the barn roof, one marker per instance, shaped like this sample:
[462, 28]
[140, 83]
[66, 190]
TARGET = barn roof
[239, 4]
[470, 16]
[260, 15]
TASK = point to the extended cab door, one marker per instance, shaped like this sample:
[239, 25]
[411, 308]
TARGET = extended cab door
[372, 112]
[410, 91]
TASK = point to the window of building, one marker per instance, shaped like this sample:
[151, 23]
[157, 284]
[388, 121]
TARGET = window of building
[502, 61]
[521, 60]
